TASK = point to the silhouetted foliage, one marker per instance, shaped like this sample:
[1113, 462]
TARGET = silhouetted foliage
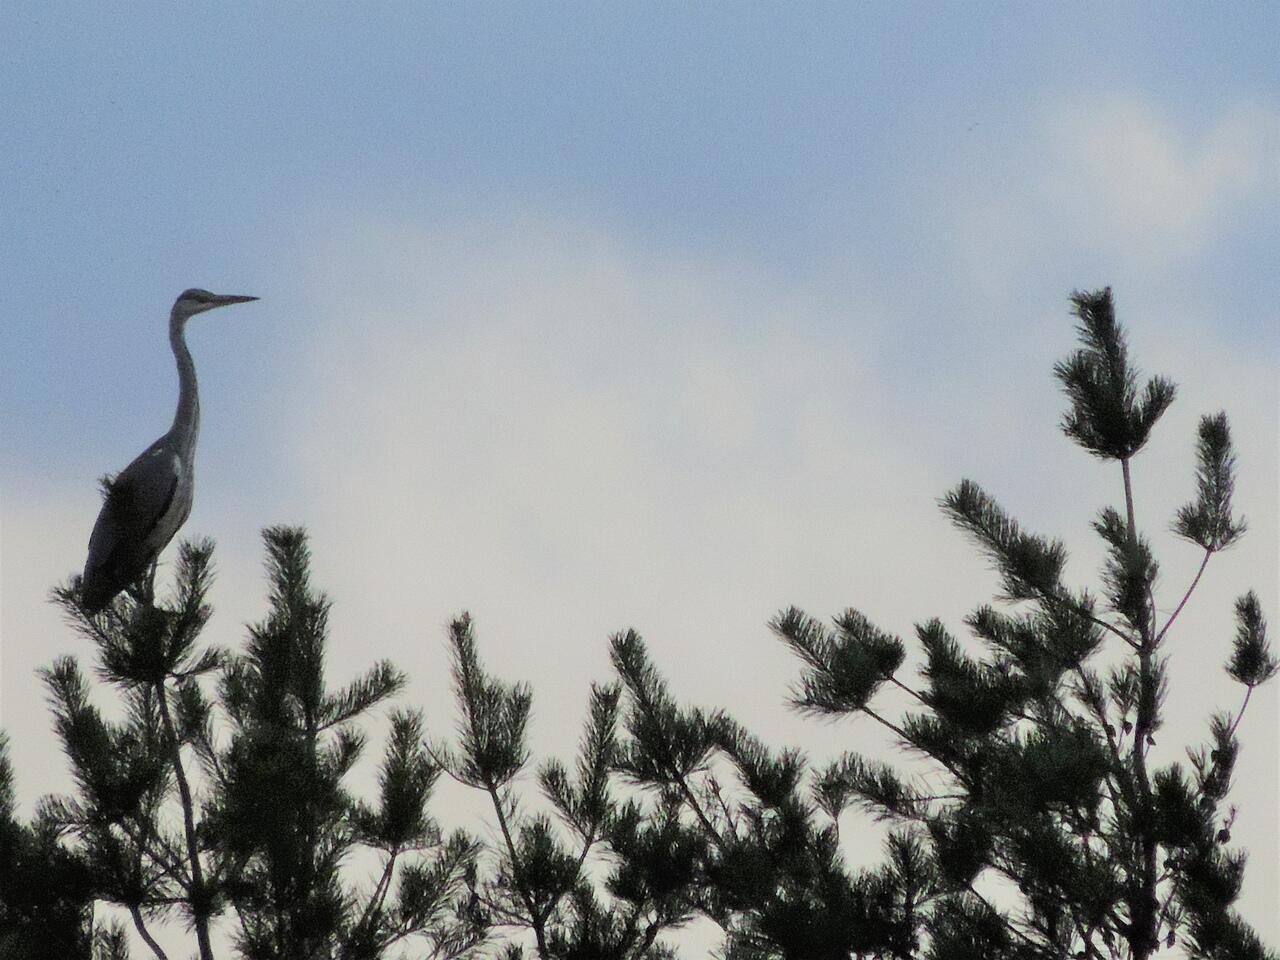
[45, 890]
[229, 798]
[1049, 782]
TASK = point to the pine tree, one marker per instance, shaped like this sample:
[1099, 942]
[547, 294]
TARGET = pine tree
[669, 813]
[46, 908]
[282, 818]
[537, 880]
[1050, 782]
[202, 806]
[132, 781]
[768, 872]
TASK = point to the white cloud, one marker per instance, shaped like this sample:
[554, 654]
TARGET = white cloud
[1133, 181]
[570, 438]
[1103, 189]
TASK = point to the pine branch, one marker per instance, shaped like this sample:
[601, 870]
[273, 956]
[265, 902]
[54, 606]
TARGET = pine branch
[1251, 660]
[197, 892]
[143, 932]
[1204, 562]
[1107, 416]
[1208, 521]
[532, 918]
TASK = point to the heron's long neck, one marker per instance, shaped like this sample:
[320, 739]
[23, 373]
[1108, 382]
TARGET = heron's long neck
[186, 422]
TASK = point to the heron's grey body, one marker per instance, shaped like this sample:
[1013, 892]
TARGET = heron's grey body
[149, 501]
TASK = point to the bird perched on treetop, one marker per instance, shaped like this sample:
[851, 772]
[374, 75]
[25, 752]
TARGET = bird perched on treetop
[150, 499]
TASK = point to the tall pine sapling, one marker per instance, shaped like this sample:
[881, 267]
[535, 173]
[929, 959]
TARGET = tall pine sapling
[1050, 783]
[281, 814]
[236, 804]
[135, 814]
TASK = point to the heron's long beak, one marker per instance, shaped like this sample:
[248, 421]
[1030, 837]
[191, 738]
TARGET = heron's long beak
[222, 300]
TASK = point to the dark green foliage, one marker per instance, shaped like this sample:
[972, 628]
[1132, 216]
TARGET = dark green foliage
[773, 780]
[283, 815]
[142, 644]
[1208, 521]
[119, 768]
[129, 790]
[1030, 566]
[1130, 571]
[1041, 782]
[844, 669]
[1180, 819]
[974, 698]
[1042, 773]
[667, 744]
[280, 804]
[967, 928]
[1053, 766]
[584, 801]
[406, 778]
[260, 826]
[962, 844]
[659, 859]
[761, 864]
[1108, 416]
[872, 784]
[1251, 661]
[110, 942]
[534, 878]
[1215, 765]
[1039, 647]
[492, 748]
[45, 890]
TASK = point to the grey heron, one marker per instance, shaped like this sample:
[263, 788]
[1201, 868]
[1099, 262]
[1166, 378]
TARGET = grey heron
[150, 499]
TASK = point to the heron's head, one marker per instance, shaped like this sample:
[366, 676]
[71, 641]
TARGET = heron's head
[193, 301]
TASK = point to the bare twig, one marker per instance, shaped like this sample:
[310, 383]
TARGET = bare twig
[1185, 597]
[535, 919]
[145, 934]
[1240, 716]
[196, 889]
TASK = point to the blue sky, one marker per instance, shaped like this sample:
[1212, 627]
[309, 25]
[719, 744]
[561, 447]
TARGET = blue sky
[653, 315]
[146, 148]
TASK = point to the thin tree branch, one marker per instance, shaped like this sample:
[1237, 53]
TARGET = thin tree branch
[1185, 597]
[700, 814]
[898, 683]
[379, 894]
[535, 920]
[907, 739]
[143, 932]
[1142, 934]
[1240, 716]
[1164, 910]
[1091, 617]
[159, 854]
[1009, 924]
[892, 726]
[1128, 499]
[196, 889]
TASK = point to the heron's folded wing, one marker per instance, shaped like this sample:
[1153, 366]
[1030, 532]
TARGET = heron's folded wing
[135, 504]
